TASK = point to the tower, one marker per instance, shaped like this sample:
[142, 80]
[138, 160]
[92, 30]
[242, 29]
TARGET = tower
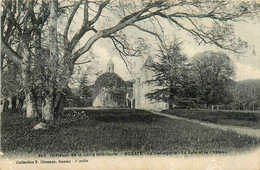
[110, 66]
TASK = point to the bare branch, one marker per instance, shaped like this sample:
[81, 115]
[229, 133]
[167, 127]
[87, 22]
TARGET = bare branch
[86, 27]
[202, 36]
[87, 46]
[101, 7]
[66, 6]
[13, 20]
[85, 11]
[150, 32]
[121, 55]
[76, 6]
[11, 54]
[159, 9]
[123, 47]
[83, 62]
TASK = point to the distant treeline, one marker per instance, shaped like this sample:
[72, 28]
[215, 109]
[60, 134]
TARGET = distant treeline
[246, 95]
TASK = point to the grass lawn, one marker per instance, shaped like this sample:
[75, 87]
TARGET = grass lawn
[117, 131]
[233, 118]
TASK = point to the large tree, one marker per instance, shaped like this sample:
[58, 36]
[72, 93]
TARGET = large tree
[208, 21]
[170, 76]
[22, 45]
[213, 73]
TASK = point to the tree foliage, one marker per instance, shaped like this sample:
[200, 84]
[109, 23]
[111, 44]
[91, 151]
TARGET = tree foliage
[170, 76]
[213, 72]
[247, 95]
[111, 82]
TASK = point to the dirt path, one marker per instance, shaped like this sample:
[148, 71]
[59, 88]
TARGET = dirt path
[237, 129]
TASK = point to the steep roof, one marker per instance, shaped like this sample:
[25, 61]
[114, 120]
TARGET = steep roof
[147, 63]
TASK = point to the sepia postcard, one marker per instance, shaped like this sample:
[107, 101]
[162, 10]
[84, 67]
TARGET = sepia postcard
[130, 84]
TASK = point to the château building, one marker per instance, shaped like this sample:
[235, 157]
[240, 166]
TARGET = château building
[110, 90]
[141, 88]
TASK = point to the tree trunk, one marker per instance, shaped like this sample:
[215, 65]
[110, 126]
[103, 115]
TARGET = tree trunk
[4, 104]
[9, 103]
[170, 105]
[48, 109]
[24, 50]
[21, 102]
[2, 62]
[14, 104]
[30, 112]
[60, 106]
[52, 64]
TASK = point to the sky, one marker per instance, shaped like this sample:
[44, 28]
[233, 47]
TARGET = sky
[249, 66]
[246, 66]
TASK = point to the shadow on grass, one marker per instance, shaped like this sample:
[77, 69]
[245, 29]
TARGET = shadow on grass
[113, 116]
[132, 118]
